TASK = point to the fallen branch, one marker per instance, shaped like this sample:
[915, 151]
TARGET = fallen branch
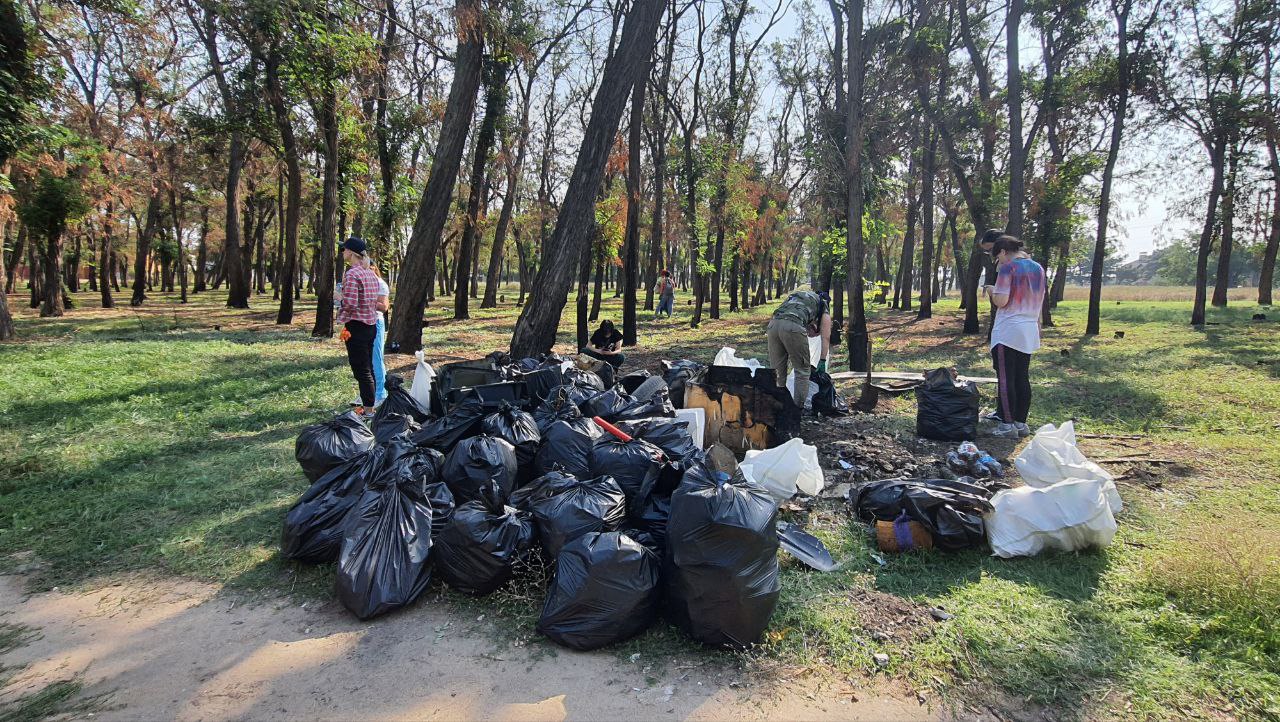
[1134, 460]
[1110, 436]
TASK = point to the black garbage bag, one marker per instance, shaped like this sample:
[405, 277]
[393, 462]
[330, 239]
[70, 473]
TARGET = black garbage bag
[951, 511]
[517, 428]
[383, 563]
[617, 405]
[475, 463]
[721, 562]
[399, 401]
[633, 380]
[652, 520]
[669, 434]
[827, 401]
[313, 525]
[605, 590]
[561, 404]
[607, 404]
[587, 380]
[325, 446]
[477, 551]
[388, 426]
[947, 410]
[566, 445]
[634, 464]
[676, 373]
[462, 421]
[565, 507]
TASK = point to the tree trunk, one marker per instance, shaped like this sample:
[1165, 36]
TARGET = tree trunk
[1017, 155]
[322, 275]
[535, 331]
[140, 261]
[1217, 153]
[19, 246]
[1119, 113]
[631, 246]
[237, 283]
[104, 258]
[1266, 279]
[202, 251]
[6, 318]
[595, 296]
[927, 271]
[1223, 280]
[284, 125]
[382, 134]
[902, 286]
[858, 339]
[495, 103]
[417, 272]
[580, 307]
[497, 256]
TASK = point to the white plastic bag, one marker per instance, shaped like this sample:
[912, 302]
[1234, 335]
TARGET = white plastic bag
[784, 469]
[697, 419]
[1052, 457]
[1069, 515]
[423, 377]
[728, 356]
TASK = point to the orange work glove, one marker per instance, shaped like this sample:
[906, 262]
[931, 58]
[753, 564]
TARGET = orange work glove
[345, 336]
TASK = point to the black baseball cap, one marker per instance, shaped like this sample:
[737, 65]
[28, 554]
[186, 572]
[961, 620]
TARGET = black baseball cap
[355, 245]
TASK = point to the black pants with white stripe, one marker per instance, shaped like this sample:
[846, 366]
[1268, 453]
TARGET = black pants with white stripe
[1013, 369]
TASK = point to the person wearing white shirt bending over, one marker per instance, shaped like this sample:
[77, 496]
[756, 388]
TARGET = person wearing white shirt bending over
[1018, 295]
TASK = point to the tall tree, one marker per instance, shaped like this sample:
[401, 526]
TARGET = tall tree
[417, 271]
[631, 245]
[495, 80]
[535, 331]
[1017, 154]
[859, 339]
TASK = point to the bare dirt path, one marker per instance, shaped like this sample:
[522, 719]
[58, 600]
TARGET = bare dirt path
[182, 651]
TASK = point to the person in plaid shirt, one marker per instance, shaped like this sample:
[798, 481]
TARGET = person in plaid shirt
[358, 313]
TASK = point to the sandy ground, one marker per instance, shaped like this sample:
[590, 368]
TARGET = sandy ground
[182, 651]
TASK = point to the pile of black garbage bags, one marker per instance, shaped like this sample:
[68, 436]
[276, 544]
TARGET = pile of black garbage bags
[631, 529]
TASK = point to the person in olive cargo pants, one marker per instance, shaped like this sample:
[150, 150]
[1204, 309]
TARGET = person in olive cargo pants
[802, 316]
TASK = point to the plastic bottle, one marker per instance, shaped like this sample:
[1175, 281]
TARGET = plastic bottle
[992, 466]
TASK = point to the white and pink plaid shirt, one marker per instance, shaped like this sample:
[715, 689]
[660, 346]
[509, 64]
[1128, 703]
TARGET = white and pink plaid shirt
[359, 296]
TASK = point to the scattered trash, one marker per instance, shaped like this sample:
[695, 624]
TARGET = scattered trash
[939, 614]
[605, 590]
[969, 460]
[728, 356]
[477, 550]
[946, 408]
[784, 470]
[722, 559]
[881, 659]
[323, 447]
[951, 511]
[805, 547]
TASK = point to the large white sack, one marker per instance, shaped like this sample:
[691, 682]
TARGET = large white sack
[1052, 457]
[785, 469]
[423, 377]
[1070, 515]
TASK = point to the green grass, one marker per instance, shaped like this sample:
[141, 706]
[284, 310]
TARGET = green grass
[151, 440]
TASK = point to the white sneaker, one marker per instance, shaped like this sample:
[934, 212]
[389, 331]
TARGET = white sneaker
[1006, 431]
[1023, 430]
